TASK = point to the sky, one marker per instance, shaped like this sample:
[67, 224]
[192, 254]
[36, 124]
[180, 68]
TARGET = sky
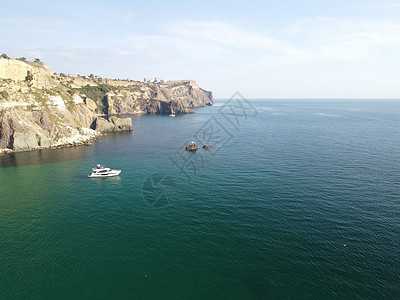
[263, 49]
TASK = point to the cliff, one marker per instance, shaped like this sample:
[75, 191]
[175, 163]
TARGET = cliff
[34, 118]
[39, 109]
[134, 97]
[18, 70]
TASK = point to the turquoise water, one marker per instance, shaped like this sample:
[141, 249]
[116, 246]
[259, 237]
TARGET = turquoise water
[302, 200]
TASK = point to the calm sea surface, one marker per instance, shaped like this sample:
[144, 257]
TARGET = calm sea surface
[298, 199]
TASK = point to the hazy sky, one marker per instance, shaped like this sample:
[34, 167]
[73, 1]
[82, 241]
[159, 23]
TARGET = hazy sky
[266, 49]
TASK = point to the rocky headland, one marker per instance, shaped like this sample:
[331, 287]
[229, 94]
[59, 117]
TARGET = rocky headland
[40, 109]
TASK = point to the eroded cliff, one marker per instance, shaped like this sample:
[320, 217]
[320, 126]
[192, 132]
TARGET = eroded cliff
[39, 109]
[134, 97]
[32, 117]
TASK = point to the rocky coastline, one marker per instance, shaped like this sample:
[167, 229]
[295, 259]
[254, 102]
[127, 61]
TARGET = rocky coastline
[87, 142]
[40, 109]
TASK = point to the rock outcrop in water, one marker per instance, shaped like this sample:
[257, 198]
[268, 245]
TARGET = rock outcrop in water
[112, 124]
[39, 109]
[192, 147]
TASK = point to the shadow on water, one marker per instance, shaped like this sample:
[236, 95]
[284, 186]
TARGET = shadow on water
[80, 177]
[37, 157]
[106, 181]
[43, 156]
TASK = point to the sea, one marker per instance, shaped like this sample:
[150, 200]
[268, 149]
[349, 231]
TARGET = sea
[296, 199]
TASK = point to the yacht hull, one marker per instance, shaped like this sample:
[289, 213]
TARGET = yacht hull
[108, 174]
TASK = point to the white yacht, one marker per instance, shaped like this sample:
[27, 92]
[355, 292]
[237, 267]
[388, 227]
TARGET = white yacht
[103, 171]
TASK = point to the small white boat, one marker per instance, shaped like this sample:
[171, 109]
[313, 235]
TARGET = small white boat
[103, 171]
[172, 115]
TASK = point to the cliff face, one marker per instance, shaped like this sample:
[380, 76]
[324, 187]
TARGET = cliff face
[25, 127]
[18, 70]
[39, 109]
[41, 112]
[179, 97]
[33, 118]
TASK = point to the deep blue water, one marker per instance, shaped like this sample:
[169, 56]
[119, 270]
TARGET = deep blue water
[297, 199]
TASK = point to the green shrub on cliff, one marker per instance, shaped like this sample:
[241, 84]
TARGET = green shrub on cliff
[97, 92]
[93, 92]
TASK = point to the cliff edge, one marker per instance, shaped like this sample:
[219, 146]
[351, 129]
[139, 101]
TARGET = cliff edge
[39, 109]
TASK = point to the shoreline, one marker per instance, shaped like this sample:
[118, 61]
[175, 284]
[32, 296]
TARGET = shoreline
[87, 142]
